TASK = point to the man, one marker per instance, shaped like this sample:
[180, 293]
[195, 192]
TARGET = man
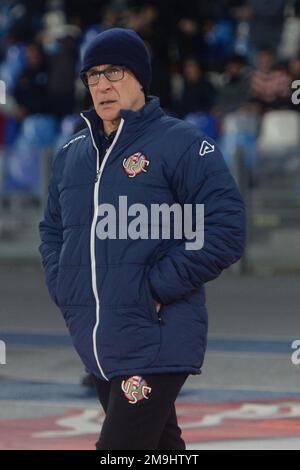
[135, 306]
[270, 83]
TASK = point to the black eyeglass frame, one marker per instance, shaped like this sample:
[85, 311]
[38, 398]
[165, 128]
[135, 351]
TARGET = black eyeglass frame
[103, 72]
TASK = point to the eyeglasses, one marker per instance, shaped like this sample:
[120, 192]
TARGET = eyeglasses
[113, 74]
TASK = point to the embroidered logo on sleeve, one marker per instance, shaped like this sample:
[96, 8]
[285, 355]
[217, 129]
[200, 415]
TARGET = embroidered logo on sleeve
[135, 389]
[205, 148]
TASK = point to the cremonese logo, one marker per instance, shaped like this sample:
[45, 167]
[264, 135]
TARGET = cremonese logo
[2, 92]
[2, 353]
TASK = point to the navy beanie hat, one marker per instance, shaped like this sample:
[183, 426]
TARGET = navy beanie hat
[119, 46]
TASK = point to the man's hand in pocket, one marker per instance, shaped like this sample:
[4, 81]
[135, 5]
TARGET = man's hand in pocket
[158, 307]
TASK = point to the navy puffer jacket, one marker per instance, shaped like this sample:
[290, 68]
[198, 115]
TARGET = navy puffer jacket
[106, 288]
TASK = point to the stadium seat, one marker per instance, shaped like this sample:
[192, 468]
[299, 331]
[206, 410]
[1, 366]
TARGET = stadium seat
[23, 161]
[23, 169]
[280, 131]
[40, 130]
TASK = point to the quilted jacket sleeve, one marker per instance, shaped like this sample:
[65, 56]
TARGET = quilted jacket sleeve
[51, 236]
[202, 177]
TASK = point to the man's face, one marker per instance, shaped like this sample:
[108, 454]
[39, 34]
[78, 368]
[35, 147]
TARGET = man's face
[265, 61]
[109, 97]
[192, 71]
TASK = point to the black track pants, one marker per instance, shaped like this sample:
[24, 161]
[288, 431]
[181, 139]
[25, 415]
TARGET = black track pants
[140, 412]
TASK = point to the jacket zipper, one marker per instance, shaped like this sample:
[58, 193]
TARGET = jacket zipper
[93, 231]
[160, 319]
[97, 175]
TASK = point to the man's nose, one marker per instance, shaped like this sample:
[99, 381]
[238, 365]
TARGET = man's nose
[103, 83]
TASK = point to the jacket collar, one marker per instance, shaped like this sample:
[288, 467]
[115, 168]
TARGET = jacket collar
[134, 121]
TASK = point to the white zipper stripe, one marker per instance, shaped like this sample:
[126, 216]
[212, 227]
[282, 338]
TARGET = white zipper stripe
[93, 231]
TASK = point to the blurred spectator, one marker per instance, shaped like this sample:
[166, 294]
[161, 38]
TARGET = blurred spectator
[204, 27]
[240, 131]
[62, 75]
[266, 22]
[294, 68]
[146, 21]
[189, 38]
[270, 83]
[290, 43]
[14, 63]
[161, 80]
[31, 88]
[60, 40]
[219, 42]
[241, 13]
[111, 18]
[198, 93]
[185, 29]
[235, 85]
[85, 13]
[20, 19]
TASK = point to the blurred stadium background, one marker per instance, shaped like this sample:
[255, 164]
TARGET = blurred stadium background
[227, 66]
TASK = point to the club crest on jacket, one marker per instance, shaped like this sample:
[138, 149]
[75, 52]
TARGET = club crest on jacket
[135, 164]
[135, 389]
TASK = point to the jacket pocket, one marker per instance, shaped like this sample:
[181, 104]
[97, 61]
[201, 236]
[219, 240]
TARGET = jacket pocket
[127, 339]
[149, 303]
